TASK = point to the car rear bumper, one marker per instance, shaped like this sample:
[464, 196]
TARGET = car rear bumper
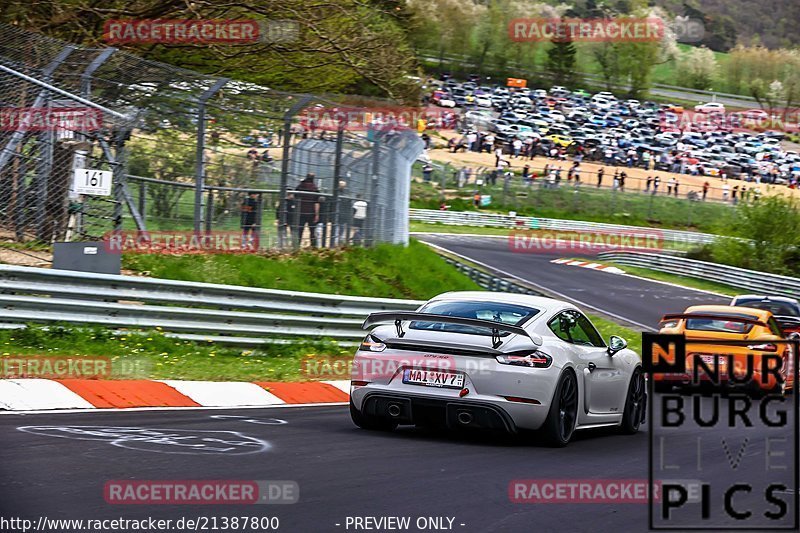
[412, 408]
[423, 410]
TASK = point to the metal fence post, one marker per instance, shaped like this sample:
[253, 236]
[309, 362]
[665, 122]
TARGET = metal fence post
[337, 176]
[287, 142]
[372, 193]
[200, 170]
[143, 200]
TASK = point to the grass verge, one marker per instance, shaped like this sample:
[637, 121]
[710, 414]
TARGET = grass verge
[389, 271]
[153, 355]
[684, 281]
[386, 271]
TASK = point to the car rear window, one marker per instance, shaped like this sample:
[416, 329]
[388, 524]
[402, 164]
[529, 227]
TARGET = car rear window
[776, 308]
[505, 313]
[724, 324]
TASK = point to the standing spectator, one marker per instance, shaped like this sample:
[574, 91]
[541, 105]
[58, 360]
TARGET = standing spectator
[656, 183]
[600, 177]
[631, 157]
[526, 152]
[517, 145]
[472, 141]
[488, 143]
[670, 185]
[359, 216]
[649, 183]
[427, 170]
[744, 192]
[646, 156]
[498, 155]
[622, 176]
[285, 223]
[734, 192]
[427, 140]
[675, 190]
[706, 186]
[249, 222]
[534, 148]
[726, 191]
[476, 200]
[308, 197]
[526, 174]
[615, 181]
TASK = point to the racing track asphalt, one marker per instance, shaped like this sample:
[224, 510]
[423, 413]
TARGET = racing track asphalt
[343, 471]
[635, 299]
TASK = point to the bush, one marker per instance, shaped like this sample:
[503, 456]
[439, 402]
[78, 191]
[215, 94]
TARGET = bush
[767, 234]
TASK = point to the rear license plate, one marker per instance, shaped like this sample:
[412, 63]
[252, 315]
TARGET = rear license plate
[433, 378]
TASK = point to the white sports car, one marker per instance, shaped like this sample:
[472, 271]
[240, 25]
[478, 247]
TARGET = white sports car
[499, 361]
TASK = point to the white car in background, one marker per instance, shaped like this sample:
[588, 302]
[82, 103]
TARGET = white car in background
[710, 107]
[488, 360]
[483, 101]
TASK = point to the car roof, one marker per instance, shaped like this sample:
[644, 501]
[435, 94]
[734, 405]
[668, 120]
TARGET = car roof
[762, 297]
[539, 302]
[761, 314]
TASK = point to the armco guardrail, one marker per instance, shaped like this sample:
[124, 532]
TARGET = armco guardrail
[488, 281]
[741, 278]
[474, 218]
[221, 313]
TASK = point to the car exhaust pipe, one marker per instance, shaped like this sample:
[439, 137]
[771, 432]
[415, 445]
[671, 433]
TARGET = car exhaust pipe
[464, 417]
[394, 410]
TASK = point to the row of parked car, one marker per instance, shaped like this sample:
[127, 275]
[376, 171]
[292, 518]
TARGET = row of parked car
[609, 128]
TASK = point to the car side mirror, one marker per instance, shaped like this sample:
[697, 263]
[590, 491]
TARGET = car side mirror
[793, 336]
[616, 344]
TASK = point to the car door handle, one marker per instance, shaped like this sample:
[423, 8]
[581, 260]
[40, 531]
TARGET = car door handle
[591, 366]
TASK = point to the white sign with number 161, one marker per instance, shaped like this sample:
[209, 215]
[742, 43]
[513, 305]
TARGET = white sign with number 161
[92, 182]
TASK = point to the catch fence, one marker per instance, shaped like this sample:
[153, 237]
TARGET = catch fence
[180, 150]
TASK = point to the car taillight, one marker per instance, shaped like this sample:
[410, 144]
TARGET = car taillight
[372, 344]
[766, 347]
[535, 359]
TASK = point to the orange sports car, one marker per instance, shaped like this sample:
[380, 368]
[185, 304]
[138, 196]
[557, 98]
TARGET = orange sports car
[718, 324]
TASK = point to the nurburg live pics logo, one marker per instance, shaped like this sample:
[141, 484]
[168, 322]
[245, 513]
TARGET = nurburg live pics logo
[721, 456]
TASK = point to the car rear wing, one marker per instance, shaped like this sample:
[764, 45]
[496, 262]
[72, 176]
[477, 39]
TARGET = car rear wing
[714, 316]
[388, 317]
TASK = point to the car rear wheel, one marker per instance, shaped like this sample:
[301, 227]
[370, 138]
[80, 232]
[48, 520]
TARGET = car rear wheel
[563, 414]
[634, 404]
[374, 423]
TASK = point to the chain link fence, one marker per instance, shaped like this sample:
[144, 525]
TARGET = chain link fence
[186, 152]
